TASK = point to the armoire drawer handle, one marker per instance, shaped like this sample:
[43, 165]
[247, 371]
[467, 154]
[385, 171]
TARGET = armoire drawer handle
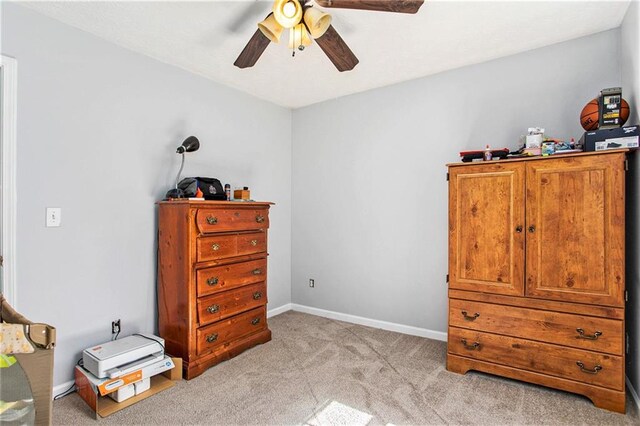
[586, 370]
[259, 218]
[215, 247]
[473, 347]
[257, 295]
[532, 229]
[254, 242]
[255, 321]
[212, 337]
[519, 229]
[212, 220]
[594, 336]
[212, 281]
[470, 317]
[213, 309]
[256, 271]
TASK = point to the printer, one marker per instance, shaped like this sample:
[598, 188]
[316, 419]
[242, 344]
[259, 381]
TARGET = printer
[119, 357]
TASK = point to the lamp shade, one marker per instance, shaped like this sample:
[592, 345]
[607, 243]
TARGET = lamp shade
[271, 28]
[317, 21]
[288, 13]
[190, 144]
[299, 37]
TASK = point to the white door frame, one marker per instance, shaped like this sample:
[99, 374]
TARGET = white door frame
[9, 83]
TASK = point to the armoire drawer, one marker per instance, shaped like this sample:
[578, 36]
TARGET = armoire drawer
[224, 220]
[222, 305]
[553, 360]
[221, 278]
[223, 246]
[217, 334]
[584, 332]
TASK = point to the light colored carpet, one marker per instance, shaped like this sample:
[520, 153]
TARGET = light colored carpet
[318, 371]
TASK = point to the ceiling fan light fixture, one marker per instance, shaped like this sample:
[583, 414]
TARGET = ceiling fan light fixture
[271, 28]
[288, 13]
[317, 21]
[299, 37]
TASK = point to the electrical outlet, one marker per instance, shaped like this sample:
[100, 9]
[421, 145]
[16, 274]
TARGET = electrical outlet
[115, 326]
[312, 282]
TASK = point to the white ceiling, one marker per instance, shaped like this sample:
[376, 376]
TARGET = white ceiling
[206, 37]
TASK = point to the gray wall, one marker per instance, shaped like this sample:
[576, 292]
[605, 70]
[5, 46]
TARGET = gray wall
[97, 131]
[630, 73]
[369, 188]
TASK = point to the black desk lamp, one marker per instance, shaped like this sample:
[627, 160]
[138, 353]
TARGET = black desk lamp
[190, 144]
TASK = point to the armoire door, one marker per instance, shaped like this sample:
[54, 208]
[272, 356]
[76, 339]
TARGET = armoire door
[575, 229]
[486, 228]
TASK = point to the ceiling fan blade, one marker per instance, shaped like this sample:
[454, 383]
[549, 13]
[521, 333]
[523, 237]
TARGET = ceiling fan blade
[252, 51]
[337, 50]
[399, 6]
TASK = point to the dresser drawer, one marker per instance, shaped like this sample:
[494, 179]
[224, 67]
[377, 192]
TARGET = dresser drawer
[252, 243]
[223, 305]
[574, 364]
[221, 278]
[215, 335]
[222, 246]
[224, 220]
[218, 247]
[596, 334]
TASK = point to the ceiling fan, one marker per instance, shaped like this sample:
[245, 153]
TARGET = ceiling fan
[306, 21]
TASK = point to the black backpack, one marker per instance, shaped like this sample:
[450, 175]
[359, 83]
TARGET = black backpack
[210, 187]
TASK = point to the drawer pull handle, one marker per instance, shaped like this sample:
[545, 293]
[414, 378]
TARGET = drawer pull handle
[256, 271]
[213, 309]
[594, 336]
[519, 229]
[254, 242]
[212, 220]
[259, 218]
[475, 346]
[532, 229]
[586, 370]
[212, 281]
[212, 337]
[215, 247]
[470, 317]
[257, 295]
[255, 321]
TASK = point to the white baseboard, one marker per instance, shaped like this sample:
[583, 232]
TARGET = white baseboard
[61, 388]
[634, 393]
[384, 325]
[279, 310]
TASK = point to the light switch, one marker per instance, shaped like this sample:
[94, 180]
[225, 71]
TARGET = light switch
[54, 216]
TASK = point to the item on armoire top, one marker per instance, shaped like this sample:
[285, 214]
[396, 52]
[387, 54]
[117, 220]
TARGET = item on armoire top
[468, 156]
[210, 188]
[616, 115]
[190, 144]
[617, 138]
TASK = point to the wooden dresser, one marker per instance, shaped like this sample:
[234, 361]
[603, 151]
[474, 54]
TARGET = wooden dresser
[212, 279]
[536, 272]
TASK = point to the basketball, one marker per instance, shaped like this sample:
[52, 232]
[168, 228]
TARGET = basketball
[589, 117]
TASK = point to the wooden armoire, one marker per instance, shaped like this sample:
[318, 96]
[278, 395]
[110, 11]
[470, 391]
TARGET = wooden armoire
[536, 272]
[212, 279]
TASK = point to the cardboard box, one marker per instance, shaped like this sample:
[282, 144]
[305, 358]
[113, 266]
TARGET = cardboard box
[96, 394]
[604, 139]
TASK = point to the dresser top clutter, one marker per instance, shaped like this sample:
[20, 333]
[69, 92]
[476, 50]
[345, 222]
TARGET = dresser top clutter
[212, 279]
[537, 272]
